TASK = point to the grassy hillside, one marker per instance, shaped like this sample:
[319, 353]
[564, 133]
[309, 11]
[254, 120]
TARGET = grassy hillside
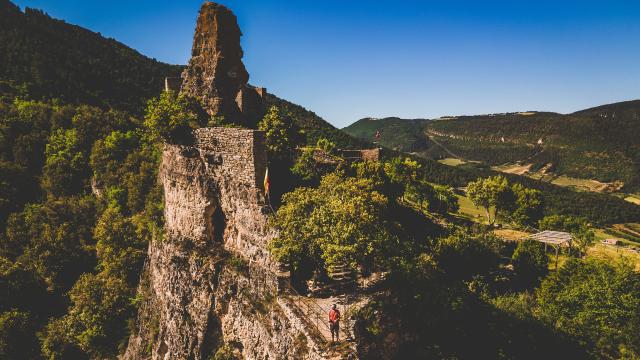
[599, 143]
[54, 59]
[404, 135]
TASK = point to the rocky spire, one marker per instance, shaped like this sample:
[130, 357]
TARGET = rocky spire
[216, 75]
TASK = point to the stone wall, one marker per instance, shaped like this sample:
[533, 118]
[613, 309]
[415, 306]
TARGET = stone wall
[210, 278]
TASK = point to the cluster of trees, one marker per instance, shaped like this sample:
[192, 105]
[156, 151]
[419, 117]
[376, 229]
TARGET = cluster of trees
[456, 299]
[406, 172]
[601, 209]
[351, 216]
[517, 203]
[442, 288]
[80, 204]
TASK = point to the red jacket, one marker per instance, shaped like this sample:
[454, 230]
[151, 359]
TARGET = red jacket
[334, 315]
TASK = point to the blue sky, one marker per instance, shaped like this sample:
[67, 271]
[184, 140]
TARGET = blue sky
[348, 59]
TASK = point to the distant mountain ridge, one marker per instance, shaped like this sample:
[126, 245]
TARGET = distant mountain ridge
[599, 143]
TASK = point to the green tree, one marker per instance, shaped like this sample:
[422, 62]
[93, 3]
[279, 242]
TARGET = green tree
[15, 189]
[463, 255]
[492, 192]
[326, 145]
[597, 302]
[65, 171]
[96, 321]
[57, 237]
[404, 171]
[281, 133]
[306, 166]
[530, 262]
[445, 200]
[57, 341]
[171, 117]
[109, 154]
[375, 171]
[340, 222]
[22, 289]
[17, 336]
[566, 223]
[583, 239]
[120, 250]
[528, 206]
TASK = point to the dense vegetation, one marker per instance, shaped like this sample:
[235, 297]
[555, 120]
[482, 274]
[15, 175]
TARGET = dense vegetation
[313, 126]
[79, 202]
[450, 292]
[406, 135]
[598, 143]
[53, 59]
[72, 258]
[597, 208]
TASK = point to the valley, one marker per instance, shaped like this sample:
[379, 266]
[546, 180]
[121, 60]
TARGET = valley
[154, 211]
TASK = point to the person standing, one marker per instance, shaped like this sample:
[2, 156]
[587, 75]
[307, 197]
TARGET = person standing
[334, 323]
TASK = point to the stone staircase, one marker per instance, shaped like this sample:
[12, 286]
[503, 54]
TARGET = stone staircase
[311, 316]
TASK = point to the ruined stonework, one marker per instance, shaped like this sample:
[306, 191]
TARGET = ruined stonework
[210, 278]
[216, 75]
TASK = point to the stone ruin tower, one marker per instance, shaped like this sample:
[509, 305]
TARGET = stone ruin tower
[209, 279]
[216, 75]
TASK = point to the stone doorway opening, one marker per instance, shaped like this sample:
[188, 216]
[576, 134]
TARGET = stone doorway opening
[218, 224]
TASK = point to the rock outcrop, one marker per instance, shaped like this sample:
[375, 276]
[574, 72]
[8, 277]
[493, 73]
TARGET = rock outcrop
[210, 279]
[216, 75]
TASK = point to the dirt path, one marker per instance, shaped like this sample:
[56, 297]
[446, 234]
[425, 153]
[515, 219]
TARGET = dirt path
[443, 147]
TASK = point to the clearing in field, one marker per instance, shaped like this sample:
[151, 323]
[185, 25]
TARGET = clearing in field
[633, 198]
[468, 210]
[452, 161]
[517, 169]
[588, 185]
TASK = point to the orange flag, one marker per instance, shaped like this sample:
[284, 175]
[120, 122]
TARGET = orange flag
[267, 182]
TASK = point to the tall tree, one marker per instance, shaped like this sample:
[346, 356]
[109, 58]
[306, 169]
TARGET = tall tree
[492, 192]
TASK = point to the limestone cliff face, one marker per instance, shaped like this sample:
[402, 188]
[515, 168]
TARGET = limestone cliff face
[216, 75]
[211, 279]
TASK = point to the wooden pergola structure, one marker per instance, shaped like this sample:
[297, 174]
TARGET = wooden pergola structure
[555, 239]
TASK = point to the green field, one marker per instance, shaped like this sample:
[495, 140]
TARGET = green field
[452, 161]
[470, 211]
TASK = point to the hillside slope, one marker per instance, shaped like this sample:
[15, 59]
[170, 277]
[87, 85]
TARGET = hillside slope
[600, 143]
[399, 134]
[55, 59]
[316, 127]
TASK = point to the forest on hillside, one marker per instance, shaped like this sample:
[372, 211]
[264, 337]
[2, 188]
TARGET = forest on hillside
[598, 143]
[79, 204]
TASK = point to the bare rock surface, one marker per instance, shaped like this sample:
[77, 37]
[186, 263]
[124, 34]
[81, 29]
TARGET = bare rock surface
[210, 278]
[216, 75]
